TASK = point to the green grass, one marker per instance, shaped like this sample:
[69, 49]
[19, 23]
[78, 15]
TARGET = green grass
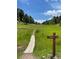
[23, 38]
[27, 26]
[43, 45]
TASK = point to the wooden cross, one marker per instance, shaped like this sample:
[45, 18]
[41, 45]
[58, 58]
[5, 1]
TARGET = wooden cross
[54, 36]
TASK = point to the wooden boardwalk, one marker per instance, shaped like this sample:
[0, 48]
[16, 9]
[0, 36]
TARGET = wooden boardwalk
[29, 50]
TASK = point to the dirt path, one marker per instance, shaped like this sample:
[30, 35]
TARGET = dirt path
[28, 56]
[29, 50]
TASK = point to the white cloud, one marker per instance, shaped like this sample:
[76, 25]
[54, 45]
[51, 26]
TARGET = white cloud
[49, 18]
[52, 13]
[39, 20]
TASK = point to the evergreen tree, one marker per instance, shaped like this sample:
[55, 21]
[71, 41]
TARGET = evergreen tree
[20, 14]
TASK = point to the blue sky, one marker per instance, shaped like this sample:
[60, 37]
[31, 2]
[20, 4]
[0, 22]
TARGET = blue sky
[40, 10]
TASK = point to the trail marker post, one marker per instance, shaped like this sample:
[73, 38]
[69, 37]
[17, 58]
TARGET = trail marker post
[54, 36]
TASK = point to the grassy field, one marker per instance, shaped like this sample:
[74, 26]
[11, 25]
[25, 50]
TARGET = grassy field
[23, 37]
[43, 45]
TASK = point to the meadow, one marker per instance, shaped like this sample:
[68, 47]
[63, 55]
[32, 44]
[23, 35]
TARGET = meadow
[23, 38]
[43, 45]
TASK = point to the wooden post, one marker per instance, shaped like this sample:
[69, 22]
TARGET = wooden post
[54, 44]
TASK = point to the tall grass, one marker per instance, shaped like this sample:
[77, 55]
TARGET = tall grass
[23, 38]
[43, 45]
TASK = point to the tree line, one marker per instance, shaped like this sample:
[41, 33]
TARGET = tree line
[22, 17]
[25, 18]
[54, 20]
